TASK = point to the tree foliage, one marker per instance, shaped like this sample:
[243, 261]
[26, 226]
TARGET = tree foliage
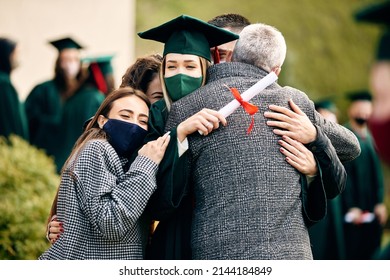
[28, 182]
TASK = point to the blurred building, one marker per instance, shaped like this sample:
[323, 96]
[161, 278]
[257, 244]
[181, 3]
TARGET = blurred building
[101, 26]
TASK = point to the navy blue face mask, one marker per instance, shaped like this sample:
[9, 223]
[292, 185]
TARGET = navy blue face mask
[124, 137]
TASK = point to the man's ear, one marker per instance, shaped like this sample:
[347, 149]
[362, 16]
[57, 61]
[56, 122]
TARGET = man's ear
[101, 121]
[277, 70]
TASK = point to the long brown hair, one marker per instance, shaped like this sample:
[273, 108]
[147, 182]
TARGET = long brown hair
[142, 72]
[93, 131]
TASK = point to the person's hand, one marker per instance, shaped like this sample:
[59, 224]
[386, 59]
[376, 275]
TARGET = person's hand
[292, 123]
[298, 156]
[155, 150]
[54, 229]
[355, 215]
[204, 121]
[381, 213]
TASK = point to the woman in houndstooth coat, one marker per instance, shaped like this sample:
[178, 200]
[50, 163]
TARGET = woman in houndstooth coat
[103, 190]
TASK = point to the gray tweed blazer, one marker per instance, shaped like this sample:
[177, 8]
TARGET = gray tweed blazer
[247, 197]
[101, 205]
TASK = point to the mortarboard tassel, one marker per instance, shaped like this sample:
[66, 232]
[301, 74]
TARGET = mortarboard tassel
[98, 77]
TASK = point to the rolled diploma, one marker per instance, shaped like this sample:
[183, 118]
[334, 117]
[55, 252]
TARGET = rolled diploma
[251, 92]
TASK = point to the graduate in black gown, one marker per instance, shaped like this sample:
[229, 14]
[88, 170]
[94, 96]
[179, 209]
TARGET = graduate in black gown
[183, 35]
[48, 102]
[364, 210]
[12, 115]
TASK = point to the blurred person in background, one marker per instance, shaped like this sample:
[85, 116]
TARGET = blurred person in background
[364, 210]
[12, 115]
[83, 103]
[379, 122]
[44, 104]
[327, 109]
[101, 72]
[327, 236]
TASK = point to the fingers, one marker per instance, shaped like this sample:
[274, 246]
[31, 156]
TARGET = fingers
[277, 116]
[286, 132]
[289, 150]
[55, 229]
[295, 107]
[298, 156]
[214, 117]
[165, 140]
[281, 110]
[280, 124]
[161, 142]
[207, 120]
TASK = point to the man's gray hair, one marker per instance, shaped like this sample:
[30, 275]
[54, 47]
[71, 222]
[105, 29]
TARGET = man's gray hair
[261, 45]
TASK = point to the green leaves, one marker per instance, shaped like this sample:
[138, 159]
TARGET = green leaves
[28, 182]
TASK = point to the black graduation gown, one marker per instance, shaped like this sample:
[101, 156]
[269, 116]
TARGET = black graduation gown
[55, 124]
[326, 234]
[76, 110]
[365, 189]
[171, 204]
[12, 115]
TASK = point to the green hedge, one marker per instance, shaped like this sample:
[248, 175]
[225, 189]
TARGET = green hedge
[28, 182]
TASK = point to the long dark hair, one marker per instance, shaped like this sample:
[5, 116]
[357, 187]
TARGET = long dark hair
[93, 131]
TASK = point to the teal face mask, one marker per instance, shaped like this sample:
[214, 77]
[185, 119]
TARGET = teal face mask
[180, 85]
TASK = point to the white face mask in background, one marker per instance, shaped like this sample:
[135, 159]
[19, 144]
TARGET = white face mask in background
[71, 69]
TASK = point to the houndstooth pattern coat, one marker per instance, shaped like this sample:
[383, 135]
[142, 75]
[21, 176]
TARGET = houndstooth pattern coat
[247, 197]
[102, 206]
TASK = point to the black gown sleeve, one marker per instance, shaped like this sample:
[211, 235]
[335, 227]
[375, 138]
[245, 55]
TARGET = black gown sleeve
[328, 184]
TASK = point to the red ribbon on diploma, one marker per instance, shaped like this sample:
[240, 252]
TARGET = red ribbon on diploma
[248, 107]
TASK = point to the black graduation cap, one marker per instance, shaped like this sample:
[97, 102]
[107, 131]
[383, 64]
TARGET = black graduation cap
[65, 43]
[326, 104]
[359, 95]
[383, 49]
[189, 35]
[378, 13]
[100, 67]
[103, 61]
